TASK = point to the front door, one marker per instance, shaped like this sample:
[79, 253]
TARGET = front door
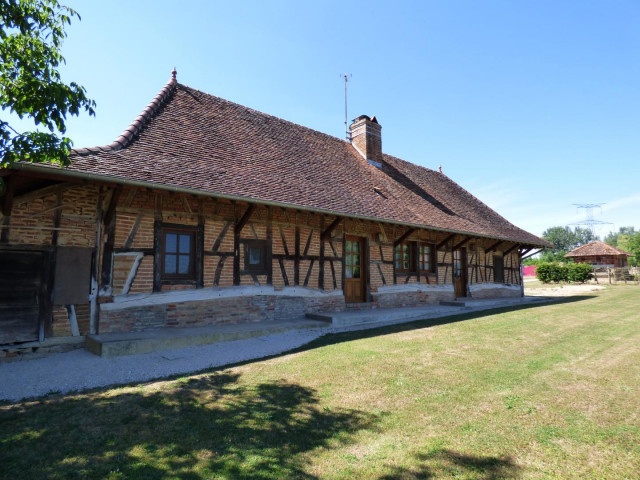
[460, 273]
[354, 270]
[21, 295]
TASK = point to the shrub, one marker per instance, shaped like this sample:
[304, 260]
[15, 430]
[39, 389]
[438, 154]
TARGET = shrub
[580, 272]
[563, 272]
[552, 272]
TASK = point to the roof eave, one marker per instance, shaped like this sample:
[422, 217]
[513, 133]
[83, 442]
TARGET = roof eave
[61, 171]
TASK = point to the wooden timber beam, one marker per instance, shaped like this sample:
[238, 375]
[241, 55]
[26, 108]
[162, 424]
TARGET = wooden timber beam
[532, 254]
[525, 251]
[517, 245]
[237, 229]
[327, 232]
[109, 221]
[404, 236]
[43, 192]
[8, 200]
[7, 206]
[493, 247]
[455, 247]
[245, 218]
[445, 241]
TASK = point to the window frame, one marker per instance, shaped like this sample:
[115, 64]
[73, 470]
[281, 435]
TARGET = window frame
[412, 258]
[414, 248]
[432, 257]
[262, 268]
[191, 276]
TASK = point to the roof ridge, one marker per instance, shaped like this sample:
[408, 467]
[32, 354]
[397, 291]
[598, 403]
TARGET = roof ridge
[244, 107]
[138, 123]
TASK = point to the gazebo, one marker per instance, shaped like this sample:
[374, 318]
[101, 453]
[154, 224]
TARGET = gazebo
[600, 254]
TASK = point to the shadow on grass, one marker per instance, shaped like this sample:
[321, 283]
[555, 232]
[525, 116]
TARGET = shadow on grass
[336, 338]
[451, 464]
[213, 426]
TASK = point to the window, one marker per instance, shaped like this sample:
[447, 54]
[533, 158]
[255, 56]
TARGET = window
[414, 256]
[404, 257]
[352, 259]
[457, 264]
[255, 256]
[426, 257]
[178, 262]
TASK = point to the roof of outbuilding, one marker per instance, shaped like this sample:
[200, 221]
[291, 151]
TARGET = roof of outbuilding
[192, 141]
[596, 248]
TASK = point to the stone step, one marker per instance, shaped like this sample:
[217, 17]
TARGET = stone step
[131, 343]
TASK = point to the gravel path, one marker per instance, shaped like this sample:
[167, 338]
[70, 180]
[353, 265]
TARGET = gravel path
[80, 370]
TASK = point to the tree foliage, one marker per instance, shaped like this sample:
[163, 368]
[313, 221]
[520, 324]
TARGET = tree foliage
[627, 239]
[31, 34]
[564, 240]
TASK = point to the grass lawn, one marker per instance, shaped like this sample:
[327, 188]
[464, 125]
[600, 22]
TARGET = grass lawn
[541, 392]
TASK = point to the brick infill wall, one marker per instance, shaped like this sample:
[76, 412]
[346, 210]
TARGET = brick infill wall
[214, 307]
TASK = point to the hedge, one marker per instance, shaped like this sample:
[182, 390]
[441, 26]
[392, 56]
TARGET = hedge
[564, 272]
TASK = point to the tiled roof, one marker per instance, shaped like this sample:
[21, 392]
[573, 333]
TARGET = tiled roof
[192, 141]
[596, 248]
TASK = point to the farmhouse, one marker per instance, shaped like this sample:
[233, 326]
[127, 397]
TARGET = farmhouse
[205, 212]
[600, 254]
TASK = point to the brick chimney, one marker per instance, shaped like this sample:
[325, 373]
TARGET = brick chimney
[366, 138]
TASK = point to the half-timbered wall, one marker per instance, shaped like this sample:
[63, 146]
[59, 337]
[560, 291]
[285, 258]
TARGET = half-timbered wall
[45, 220]
[304, 254]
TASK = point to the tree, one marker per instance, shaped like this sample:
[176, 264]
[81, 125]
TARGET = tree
[31, 34]
[564, 240]
[627, 239]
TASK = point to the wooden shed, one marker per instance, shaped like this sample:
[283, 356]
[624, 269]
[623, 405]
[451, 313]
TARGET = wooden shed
[600, 254]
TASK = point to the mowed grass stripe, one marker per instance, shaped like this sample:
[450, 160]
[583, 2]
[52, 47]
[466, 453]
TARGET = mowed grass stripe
[541, 392]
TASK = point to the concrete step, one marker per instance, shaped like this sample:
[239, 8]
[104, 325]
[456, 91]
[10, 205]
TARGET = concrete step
[381, 315]
[453, 303]
[131, 343]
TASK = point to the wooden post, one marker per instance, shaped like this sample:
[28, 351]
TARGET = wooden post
[321, 259]
[296, 260]
[110, 230]
[269, 246]
[95, 261]
[7, 206]
[237, 230]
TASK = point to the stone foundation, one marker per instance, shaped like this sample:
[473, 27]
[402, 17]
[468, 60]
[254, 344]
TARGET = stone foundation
[494, 290]
[214, 306]
[411, 295]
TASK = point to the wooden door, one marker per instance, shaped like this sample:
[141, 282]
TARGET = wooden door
[21, 295]
[354, 270]
[460, 273]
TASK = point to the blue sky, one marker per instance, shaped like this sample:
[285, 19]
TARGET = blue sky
[532, 106]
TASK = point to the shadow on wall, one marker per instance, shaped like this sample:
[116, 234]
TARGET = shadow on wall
[212, 426]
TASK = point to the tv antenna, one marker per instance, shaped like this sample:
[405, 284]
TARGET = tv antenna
[590, 222]
[346, 77]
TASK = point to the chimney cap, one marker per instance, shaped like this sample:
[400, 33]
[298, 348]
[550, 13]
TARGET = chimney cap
[367, 118]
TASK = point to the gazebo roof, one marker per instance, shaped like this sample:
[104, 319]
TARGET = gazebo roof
[596, 248]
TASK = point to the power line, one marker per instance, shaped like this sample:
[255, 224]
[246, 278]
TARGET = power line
[590, 222]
